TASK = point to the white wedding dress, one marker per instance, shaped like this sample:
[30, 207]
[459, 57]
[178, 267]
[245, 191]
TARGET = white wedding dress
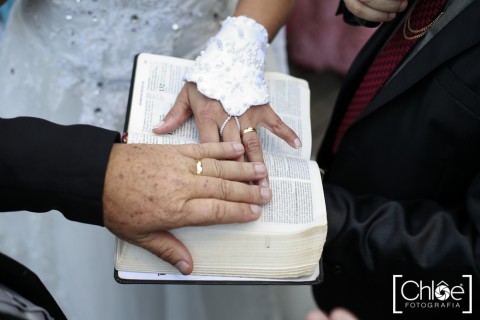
[70, 61]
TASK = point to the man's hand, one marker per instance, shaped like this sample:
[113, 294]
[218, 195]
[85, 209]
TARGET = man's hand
[150, 189]
[376, 10]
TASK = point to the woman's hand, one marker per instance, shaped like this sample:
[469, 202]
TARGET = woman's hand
[210, 117]
[376, 10]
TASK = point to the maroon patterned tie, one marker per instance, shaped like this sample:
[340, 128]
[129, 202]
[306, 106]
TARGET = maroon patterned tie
[423, 16]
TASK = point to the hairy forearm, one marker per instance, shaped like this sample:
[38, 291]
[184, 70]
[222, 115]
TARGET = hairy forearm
[272, 14]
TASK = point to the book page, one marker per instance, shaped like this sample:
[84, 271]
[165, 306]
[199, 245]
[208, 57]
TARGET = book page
[290, 99]
[297, 191]
[151, 276]
[157, 82]
[159, 79]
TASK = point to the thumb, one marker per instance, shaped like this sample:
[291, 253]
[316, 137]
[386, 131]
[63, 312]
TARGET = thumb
[165, 246]
[178, 114]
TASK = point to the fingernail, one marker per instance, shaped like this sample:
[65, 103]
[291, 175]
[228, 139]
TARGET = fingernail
[263, 183]
[158, 125]
[391, 16]
[266, 193]
[260, 168]
[297, 143]
[238, 147]
[403, 5]
[256, 210]
[182, 266]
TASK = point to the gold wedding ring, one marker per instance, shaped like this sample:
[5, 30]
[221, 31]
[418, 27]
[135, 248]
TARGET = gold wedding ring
[247, 130]
[199, 168]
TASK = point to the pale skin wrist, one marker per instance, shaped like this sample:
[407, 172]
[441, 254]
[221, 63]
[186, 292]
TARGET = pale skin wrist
[272, 14]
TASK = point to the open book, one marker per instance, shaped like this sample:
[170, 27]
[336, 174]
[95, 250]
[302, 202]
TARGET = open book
[286, 243]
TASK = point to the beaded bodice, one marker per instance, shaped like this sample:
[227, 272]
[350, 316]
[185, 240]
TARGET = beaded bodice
[102, 36]
[94, 42]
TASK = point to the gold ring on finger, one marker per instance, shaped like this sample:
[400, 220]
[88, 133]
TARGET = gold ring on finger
[199, 168]
[248, 130]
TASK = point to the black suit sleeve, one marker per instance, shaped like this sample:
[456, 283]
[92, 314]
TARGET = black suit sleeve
[376, 235]
[45, 166]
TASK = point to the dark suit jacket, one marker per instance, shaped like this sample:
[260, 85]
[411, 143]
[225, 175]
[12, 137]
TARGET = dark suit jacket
[403, 190]
[43, 167]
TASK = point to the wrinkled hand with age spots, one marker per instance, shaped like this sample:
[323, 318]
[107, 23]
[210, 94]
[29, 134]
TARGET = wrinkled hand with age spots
[150, 189]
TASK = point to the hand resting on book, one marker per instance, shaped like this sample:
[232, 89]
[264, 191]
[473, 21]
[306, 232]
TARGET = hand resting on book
[150, 189]
[210, 116]
[225, 87]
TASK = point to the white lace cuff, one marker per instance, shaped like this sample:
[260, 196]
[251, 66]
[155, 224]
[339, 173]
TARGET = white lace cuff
[232, 67]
